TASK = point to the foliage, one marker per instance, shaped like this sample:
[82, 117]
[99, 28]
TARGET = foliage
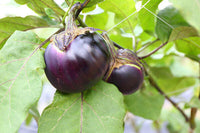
[174, 68]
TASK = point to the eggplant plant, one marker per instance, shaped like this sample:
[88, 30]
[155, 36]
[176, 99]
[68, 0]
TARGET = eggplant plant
[111, 64]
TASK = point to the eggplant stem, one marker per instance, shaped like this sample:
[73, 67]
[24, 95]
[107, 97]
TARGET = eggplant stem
[83, 5]
[66, 13]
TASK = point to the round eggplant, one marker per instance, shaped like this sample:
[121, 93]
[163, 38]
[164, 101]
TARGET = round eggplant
[78, 65]
[128, 78]
[125, 71]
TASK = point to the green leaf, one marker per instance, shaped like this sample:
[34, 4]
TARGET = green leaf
[39, 6]
[194, 102]
[143, 39]
[146, 16]
[190, 47]
[175, 121]
[151, 47]
[182, 32]
[125, 42]
[89, 9]
[190, 11]
[91, 2]
[9, 25]
[118, 7]
[20, 82]
[93, 20]
[146, 103]
[99, 110]
[168, 19]
[178, 65]
[170, 84]
[197, 129]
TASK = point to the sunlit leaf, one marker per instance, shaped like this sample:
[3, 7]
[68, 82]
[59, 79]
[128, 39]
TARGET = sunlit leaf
[118, 7]
[21, 65]
[8, 25]
[93, 21]
[147, 15]
[189, 46]
[39, 6]
[98, 110]
[194, 103]
[190, 11]
[170, 84]
[182, 32]
[91, 2]
[175, 121]
[145, 103]
[168, 19]
[179, 66]
[125, 42]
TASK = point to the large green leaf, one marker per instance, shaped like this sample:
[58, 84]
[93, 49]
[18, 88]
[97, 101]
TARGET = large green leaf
[190, 11]
[194, 102]
[98, 110]
[168, 19]
[190, 47]
[146, 103]
[107, 21]
[122, 11]
[20, 83]
[175, 121]
[9, 24]
[39, 6]
[182, 32]
[168, 83]
[118, 7]
[178, 65]
[93, 20]
[125, 42]
[146, 15]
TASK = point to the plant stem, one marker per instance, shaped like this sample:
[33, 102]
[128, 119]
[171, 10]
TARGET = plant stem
[153, 83]
[66, 13]
[199, 80]
[146, 45]
[117, 45]
[194, 111]
[81, 22]
[192, 118]
[155, 50]
[82, 6]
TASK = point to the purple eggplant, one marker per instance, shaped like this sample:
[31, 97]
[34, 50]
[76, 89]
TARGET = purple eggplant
[77, 65]
[125, 72]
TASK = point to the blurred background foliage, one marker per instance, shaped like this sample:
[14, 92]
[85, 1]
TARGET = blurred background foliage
[142, 26]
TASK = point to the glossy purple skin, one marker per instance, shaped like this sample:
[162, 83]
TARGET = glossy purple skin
[127, 78]
[81, 65]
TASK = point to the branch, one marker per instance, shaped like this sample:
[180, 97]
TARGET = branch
[199, 80]
[82, 6]
[153, 83]
[146, 45]
[194, 111]
[155, 50]
[117, 45]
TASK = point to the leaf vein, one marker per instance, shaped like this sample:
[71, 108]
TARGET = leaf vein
[63, 114]
[101, 122]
